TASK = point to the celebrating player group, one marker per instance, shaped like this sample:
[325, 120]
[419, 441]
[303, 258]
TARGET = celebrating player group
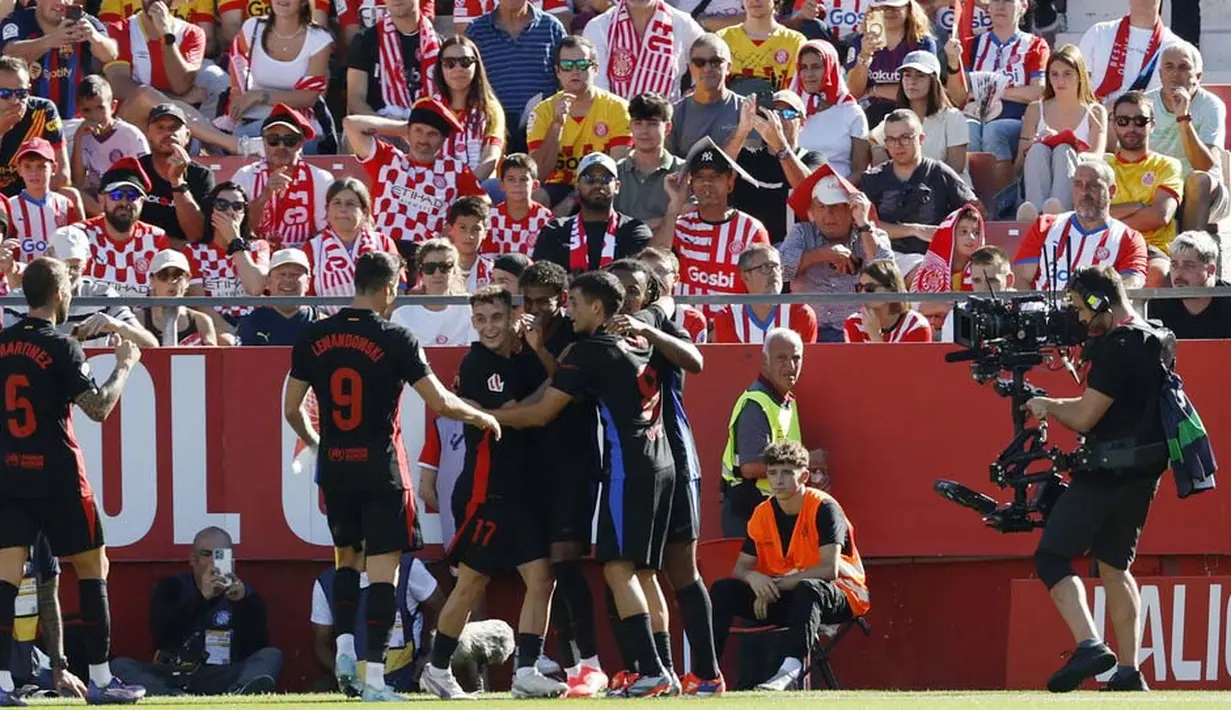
[585, 404]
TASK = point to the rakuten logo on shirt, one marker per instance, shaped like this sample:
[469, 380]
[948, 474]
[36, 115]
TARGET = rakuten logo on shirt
[716, 280]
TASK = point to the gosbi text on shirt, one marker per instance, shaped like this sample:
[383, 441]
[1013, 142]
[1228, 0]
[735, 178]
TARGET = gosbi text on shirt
[293, 215]
[738, 324]
[912, 327]
[772, 59]
[980, 22]
[215, 271]
[33, 222]
[1060, 240]
[333, 262]
[506, 235]
[709, 253]
[845, 17]
[1021, 58]
[605, 126]
[144, 54]
[124, 266]
[411, 199]
[260, 8]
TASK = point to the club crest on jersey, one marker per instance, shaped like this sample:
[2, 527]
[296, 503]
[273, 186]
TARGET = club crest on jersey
[737, 247]
[440, 182]
[1149, 178]
[495, 383]
[222, 618]
[781, 56]
[1101, 254]
[142, 266]
[442, 339]
[600, 129]
[622, 64]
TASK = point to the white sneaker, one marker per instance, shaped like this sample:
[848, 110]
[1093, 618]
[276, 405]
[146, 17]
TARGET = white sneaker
[381, 695]
[442, 684]
[782, 680]
[546, 666]
[346, 670]
[536, 685]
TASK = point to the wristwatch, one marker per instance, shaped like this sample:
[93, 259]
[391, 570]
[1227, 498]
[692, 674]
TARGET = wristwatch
[237, 245]
[783, 154]
[1186, 118]
[168, 39]
[182, 188]
[863, 228]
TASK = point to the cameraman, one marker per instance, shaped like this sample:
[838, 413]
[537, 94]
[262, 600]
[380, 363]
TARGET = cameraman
[1105, 506]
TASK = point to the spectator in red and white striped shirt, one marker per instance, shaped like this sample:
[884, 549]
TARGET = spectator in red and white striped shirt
[760, 267]
[122, 246]
[37, 212]
[889, 321]
[710, 239]
[515, 223]
[333, 252]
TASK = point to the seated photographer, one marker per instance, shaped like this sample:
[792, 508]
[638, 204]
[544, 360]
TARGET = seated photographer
[799, 566]
[414, 621]
[210, 630]
[887, 321]
[763, 414]
[1194, 264]
[1105, 505]
[990, 272]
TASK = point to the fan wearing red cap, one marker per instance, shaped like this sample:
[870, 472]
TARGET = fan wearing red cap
[37, 212]
[122, 246]
[288, 194]
[411, 190]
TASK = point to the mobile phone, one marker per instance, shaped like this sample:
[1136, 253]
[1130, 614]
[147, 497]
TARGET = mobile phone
[74, 13]
[224, 563]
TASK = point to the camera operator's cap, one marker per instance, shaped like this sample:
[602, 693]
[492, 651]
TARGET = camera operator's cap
[600, 159]
[37, 146]
[282, 257]
[432, 112]
[170, 258]
[825, 186]
[923, 61]
[283, 115]
[790, 98]
[69, 243]
[126, 171]
[167, 109]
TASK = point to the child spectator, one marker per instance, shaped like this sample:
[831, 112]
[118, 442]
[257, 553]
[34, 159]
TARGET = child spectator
[515, 223]
[466, 226]
[101, 139]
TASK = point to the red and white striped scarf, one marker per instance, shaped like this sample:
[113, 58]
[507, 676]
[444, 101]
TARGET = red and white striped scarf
[1113, 77]
[289, 216]
[393, 88]
[579, 244]
[333, 272]
[636, 66]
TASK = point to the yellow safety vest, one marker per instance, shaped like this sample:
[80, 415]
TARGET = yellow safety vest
[783, 424]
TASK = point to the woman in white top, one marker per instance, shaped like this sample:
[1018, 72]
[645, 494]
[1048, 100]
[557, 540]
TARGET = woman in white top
[462, 79]
[835, 124]
[1068, 121]
[280, 58]
[437, 262]
[946, 133]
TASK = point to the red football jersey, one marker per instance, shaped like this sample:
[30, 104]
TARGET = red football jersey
[738, 324]
[411, 199]
[912, 327]
[709, 253]
[123, 265]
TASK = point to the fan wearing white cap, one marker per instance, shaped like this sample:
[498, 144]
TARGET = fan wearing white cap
[92, 324]
[289, 277]
[833, 238]
[174, 325]
[891, 29]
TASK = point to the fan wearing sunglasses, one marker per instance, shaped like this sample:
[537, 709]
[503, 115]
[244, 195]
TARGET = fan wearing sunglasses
[24, 116]
[439, 275]
[1149, 185]
[461, 76]
[288, 194]
[887, 321]
[228, 260]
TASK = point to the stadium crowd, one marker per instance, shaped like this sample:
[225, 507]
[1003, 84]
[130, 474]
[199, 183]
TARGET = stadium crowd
[708, 147]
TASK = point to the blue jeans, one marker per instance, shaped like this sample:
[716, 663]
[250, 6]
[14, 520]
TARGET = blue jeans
[997, 137]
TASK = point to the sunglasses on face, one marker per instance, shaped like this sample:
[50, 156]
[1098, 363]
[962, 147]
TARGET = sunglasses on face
[432, 267]
[868, 288]
[288, 141]
[599, 179]
[1138, 121]
[702, 62]
[787, 113]
[19, 94]
[454, 62]
[121, 194]
[576, 64]
[225, 205]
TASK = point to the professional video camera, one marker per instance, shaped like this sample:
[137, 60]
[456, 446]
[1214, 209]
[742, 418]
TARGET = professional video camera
[1015, 336]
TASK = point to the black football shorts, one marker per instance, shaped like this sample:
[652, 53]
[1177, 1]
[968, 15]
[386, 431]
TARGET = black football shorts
[70, 523]
[633, 515]
[499, 535]
[684, 524]
[374, 522]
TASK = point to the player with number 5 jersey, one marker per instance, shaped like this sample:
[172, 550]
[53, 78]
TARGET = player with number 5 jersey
[357, 362]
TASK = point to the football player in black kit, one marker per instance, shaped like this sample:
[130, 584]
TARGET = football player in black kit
[43, 485]
[569, 466]
[501, 530]
[645, 314]
[617, 373]
[357, 362]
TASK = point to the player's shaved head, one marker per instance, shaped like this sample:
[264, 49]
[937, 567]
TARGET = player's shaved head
[43, 279]
[374, 271]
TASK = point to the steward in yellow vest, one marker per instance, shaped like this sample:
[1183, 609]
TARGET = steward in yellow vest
[799, 567]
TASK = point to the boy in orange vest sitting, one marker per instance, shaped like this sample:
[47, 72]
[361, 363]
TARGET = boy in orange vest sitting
[799, 567]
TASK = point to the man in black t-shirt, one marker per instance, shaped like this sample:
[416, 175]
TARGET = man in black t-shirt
[500, 530]
[43, 485]
[1105, 506]
[357, 363]
[370, 90]
[618, 374]
[179, 185]
[597, 234]
[1194, 264]
[912, 193]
